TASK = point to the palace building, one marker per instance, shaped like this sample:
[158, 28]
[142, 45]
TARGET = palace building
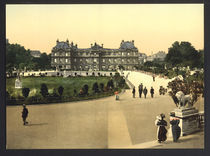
[67, 56]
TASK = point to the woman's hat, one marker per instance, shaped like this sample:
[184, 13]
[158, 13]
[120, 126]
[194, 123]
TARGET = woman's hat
[162, 115]
[172, 114]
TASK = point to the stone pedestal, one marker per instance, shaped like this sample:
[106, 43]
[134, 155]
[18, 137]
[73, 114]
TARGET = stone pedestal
[189, 120]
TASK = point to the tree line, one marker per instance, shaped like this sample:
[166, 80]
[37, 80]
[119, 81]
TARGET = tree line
[17, 57]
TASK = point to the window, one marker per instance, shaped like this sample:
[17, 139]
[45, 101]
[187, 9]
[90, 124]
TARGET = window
[55, 54]
[66, 60]
[66, 54]
[55, 60]
[103, 60]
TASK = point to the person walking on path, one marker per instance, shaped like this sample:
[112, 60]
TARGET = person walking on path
[145, 92]
[153, 76]
[134, 91]
[161, 131]
[152, 91]
[24, 114]
[176, 130]
[140, 90]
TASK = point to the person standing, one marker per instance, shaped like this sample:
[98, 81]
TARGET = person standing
[161, 131]
[140, 89]
[152, 91]
[176, 130]
[24, 114]
[153, 78]
[134, 91]
[145, 92]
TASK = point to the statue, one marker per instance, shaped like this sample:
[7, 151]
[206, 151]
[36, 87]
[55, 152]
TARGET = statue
[183, 100]
[18, 83]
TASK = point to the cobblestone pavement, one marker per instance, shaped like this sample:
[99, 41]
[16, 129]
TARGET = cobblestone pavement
[102, 123]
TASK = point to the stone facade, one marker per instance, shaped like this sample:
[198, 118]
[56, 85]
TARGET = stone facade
[67, 56]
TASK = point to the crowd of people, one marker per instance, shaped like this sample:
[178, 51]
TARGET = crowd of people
[142, 89]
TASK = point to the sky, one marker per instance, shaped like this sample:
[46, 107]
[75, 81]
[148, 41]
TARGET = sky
[153, 27]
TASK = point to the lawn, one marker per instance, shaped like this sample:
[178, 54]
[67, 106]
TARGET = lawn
[69, 84]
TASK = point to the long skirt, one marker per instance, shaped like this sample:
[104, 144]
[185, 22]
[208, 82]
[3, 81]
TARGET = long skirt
[176, 131]
[162, 131]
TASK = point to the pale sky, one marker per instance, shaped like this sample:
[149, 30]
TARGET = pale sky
[153, 27]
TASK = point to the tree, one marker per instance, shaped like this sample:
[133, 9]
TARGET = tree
[60, 90]
[44, 90]
[183, 54]
[25, 92]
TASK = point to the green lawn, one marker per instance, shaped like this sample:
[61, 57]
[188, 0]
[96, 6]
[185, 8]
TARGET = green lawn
[69, 84]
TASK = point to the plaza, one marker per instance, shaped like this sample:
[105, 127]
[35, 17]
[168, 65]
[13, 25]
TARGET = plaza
[95, 124]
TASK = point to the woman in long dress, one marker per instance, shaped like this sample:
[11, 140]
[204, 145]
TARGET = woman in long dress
[161, 131]
[176, 130]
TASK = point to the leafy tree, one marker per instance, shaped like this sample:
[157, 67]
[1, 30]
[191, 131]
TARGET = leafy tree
[44, 90]
[60, 90]
[183, 54]
[25, 92]
[7, 95]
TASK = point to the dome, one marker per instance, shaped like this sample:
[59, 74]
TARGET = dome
[127, 45]
[62, 45]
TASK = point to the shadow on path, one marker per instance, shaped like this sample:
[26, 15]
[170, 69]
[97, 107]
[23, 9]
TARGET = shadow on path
[37, 124]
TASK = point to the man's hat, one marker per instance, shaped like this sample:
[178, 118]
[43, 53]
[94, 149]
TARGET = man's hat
[24, 105]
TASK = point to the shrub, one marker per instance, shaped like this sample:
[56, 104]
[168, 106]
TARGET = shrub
[60, 90]
[95, 87]
[110, 84]
[44, 90]
[85, 89]
[25, 92]
[102, 87]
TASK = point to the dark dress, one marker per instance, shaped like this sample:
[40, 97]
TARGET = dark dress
[162, 131]
[176, 130]
[24, 114]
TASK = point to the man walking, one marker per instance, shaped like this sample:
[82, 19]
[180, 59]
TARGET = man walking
[134, 91]
[24, 114]
[145, 92]
[152, 92]
[140, 90]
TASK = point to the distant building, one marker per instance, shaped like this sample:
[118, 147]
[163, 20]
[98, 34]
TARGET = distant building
[35, 53]
[68, 56]
[160, 56]
[142, 57]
